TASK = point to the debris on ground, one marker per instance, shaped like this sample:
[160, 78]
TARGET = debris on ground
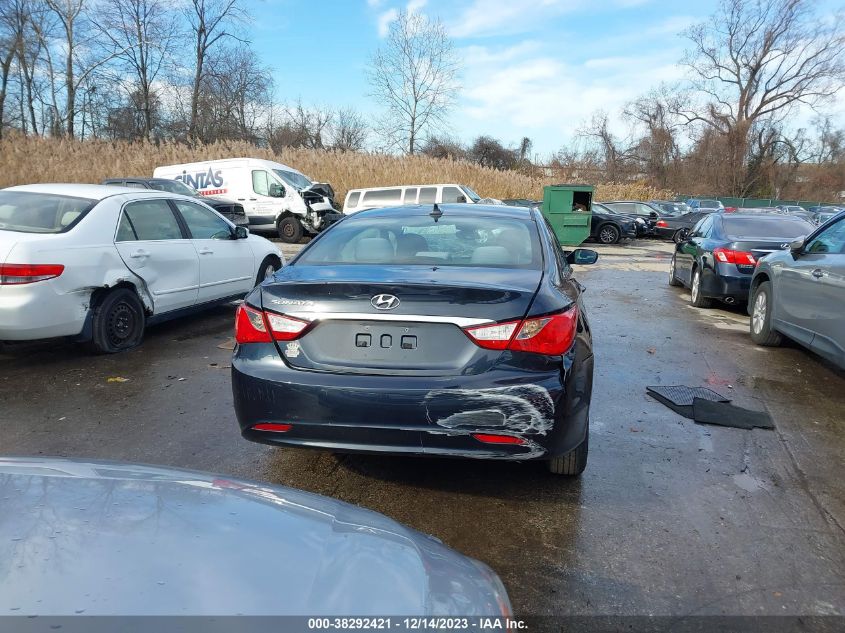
[726, 414]
[680, 398]
[227, 344]
[117, 379]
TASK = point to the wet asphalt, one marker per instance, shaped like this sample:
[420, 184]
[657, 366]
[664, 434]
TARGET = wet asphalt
[670, 517]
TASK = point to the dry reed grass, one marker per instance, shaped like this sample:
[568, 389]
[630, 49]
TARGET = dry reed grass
[32, 159]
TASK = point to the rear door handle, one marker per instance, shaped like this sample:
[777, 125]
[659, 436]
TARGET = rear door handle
[138, 254]
[818, 273]
[205, 251]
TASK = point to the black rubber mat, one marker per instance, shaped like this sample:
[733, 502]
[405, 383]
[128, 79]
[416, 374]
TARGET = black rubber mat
[726, 414]
[680, 398]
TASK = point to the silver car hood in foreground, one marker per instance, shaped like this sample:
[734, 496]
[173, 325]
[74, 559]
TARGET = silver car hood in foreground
[99, 538]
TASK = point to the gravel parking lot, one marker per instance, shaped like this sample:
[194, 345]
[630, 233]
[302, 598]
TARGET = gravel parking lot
[670, 517]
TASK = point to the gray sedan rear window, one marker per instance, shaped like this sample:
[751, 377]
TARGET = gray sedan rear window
[31, 212]
[763, 227]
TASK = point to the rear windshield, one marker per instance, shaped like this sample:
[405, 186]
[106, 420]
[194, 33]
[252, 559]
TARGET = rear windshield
[709, 204]
[31, 212]
[776, 228]
[173, 186]
[489, 242]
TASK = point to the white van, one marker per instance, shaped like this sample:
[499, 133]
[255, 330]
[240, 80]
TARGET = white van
[275, 197]
[378, 197]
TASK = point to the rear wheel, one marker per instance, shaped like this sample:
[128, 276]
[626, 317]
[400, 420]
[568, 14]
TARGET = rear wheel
[762, 331]
[697, 299]
[608, 234]
[268, 268]
[678, 236]
[572, 463]
[673, 279]
[118, 322]
[290, 229]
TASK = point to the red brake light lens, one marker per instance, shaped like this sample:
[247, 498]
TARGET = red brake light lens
[551, 335]
[272, 427]
[661, 224]
[489, 438]
[17, 274]
[250, 326]
[255, 326]
[740, 258]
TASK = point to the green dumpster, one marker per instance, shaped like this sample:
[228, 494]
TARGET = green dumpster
[568, 208]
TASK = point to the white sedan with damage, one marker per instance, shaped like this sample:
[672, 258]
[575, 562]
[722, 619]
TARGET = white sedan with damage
[99, 263]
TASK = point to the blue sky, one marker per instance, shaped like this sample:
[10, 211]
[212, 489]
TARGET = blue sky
[535, 68]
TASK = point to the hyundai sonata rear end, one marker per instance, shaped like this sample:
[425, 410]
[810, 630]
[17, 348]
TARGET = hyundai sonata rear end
[452, 331]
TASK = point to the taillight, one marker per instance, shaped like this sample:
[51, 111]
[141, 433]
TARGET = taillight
[283, 327]
[272, 427]
[255, 326]
[662, 224]
[740, 258]
[250, 326]
[551, 335]
[16, 274]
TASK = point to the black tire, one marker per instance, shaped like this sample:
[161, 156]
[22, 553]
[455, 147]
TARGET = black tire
[572, 463]
[117, 322]
[677, 236]
[290, 229]
[696, 298]
[760, 325]
[673, 279]
[608, 234]
[271, 261]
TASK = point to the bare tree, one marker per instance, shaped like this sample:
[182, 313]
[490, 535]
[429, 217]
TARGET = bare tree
[616, 155]
[210, 21]
[142, 35]
[415, 75]
[657, 148]
[754, 60]
[349, 130]
[13, 17]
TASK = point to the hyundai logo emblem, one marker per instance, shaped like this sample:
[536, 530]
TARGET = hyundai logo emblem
[385, 302]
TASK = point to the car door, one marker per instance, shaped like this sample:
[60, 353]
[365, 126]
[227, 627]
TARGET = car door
[687, 251]
[810, 293]
[227, 265]
[153, 245]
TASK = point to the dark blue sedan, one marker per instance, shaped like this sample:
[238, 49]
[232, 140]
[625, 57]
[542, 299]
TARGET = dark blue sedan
[454, 331]
[716, 260]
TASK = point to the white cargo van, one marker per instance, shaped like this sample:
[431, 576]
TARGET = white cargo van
[275, 197]
[379, 197]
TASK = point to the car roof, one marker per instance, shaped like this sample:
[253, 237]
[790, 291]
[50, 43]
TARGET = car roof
[433, 184]
[141, 178]
[461, 209]
[93, 192]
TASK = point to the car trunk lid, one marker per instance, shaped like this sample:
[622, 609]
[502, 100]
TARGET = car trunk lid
[420, 332]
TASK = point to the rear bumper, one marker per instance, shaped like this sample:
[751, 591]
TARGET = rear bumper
[547, 409]
[733, 288]
[665, 232]
[36, 311]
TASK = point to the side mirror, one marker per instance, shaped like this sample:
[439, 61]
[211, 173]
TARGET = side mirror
[582, 257]
[277, 190]
[797, 246]
[241, 232]
[653, 215]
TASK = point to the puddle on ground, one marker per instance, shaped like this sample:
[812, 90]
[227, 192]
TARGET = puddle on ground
[749, 483]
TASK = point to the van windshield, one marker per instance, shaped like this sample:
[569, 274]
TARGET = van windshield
[472, 195]
[292, 178]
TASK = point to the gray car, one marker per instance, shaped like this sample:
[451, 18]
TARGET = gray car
[800, 293]
[104, 538]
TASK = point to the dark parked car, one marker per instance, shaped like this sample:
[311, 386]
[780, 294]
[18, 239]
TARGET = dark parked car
[647, 212]
[111, 539]
[455, 330]
[674, 227]
[824, 216]
[229, 209]
[608, 227]
[800, 293]
[717, 259]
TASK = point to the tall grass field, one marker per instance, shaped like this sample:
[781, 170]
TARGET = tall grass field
[25, 160]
